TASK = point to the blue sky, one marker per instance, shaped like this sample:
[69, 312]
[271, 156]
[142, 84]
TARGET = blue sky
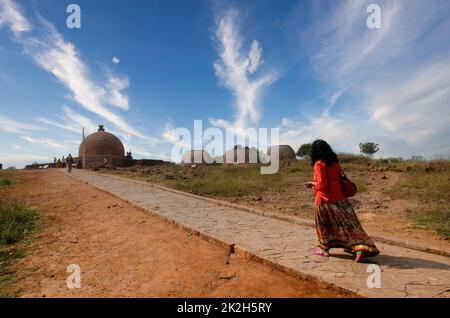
[143, 68]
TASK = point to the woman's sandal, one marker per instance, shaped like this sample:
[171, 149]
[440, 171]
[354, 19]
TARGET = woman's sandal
[359, 256]
[320, 252]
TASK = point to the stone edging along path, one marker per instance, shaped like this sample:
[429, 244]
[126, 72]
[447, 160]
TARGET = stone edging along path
[283, 245]
[282, 217]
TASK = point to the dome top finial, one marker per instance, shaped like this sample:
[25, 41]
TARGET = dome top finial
[101, 128]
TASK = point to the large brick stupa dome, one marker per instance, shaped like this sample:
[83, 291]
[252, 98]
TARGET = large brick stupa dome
[102, 144]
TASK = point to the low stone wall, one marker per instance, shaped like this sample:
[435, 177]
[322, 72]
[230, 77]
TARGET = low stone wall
[99, 162]
[40, 166]
[149, 162]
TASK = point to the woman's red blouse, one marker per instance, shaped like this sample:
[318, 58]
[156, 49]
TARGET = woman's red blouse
[328, 183]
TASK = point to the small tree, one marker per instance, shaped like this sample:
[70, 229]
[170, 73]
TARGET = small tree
[369, 148]
[304, 151]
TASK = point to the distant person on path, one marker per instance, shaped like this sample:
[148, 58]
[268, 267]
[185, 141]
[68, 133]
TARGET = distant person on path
[69, 161]
[105, 163]
[337, 225]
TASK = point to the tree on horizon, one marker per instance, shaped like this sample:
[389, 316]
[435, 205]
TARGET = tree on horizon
[304, 151]
[369, 148]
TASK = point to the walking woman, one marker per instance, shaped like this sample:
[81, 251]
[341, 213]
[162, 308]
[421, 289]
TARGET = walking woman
[337, 225]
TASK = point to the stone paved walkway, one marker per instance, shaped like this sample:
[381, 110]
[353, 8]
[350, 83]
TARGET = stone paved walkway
[404, 272]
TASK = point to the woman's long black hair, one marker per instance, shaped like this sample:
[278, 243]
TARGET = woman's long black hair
[321, 150]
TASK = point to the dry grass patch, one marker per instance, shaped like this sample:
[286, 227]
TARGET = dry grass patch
[428, 184]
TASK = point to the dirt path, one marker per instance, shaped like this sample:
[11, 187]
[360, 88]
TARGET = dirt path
[125, 252]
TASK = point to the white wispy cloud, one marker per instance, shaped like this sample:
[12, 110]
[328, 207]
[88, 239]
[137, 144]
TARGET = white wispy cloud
[11, 17]
[71, 121]
[61, 58]
[236, 70]
[254, 57]
[221, 123]
[397, 76]
[115, 86]
[171, 136]
[78, 120]
[14, 126]
[340, 131]
[56, 124]
[46, 142]
[340, 43]
[415, 108]
[75, 122]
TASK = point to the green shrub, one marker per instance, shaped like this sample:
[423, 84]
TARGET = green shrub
[5, 181]
[16, 221]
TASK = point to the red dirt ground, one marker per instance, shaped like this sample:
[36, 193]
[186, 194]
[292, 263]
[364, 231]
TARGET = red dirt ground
[124, 252]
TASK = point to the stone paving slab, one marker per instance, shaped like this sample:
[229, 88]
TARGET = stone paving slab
[404, 272]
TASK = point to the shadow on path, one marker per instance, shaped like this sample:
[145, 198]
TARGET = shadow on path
[401, 262]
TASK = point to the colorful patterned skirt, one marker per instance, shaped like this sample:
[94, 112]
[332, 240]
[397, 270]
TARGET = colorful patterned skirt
[338, 226]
